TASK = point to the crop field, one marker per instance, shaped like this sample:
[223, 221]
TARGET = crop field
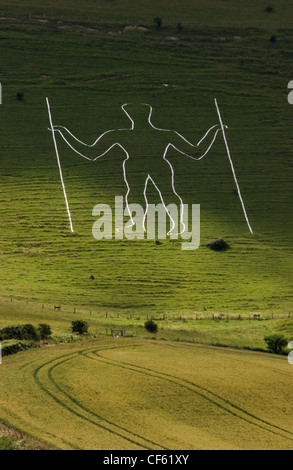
[134, 394]
[88, 59]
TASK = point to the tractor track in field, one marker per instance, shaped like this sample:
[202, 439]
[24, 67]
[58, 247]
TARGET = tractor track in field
[206, 394]
[224, 354]
[81, 411]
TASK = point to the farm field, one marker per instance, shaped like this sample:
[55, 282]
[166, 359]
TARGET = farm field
[133, 394]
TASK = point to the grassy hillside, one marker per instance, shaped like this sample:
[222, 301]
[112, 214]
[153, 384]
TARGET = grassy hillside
[170, 397]
[89, 58]
[84, 60]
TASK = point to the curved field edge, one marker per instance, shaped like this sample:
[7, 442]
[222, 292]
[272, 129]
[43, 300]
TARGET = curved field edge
[138, 394]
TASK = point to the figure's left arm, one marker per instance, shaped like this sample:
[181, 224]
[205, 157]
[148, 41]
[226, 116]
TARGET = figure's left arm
[195, 151]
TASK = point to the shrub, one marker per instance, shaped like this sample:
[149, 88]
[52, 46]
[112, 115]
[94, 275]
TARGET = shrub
[19, 95]
[151, 326]
[276, 343]
[79, 326]
[218, 245]
[44, 330]
[27, 331]
[15, 347]
[9, 332]
[269, 9]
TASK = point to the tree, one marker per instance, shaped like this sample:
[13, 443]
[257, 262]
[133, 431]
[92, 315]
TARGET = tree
[28, 331]
[151, 326]
[44, 330]
[276, 343]
[79, 326]
[158, 22]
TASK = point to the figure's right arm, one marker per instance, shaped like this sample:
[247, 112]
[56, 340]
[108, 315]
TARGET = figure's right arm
[88, 151]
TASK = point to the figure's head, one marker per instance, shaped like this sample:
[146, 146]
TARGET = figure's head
[137, 112]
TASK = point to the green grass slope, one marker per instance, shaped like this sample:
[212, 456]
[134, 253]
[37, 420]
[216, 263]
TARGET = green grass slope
[83, 59]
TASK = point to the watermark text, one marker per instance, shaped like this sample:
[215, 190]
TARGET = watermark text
[156, 223]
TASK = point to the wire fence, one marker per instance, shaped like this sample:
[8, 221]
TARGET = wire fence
[117, 314]
[74, 18]
[109, 21]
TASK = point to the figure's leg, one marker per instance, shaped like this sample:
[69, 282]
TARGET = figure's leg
[135, 195]
[163, 180]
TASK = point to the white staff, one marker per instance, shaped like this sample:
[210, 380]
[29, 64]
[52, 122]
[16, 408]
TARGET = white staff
[232, 166]
[59, 165]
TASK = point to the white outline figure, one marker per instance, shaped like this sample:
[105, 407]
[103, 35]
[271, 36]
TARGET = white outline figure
[176, 140]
